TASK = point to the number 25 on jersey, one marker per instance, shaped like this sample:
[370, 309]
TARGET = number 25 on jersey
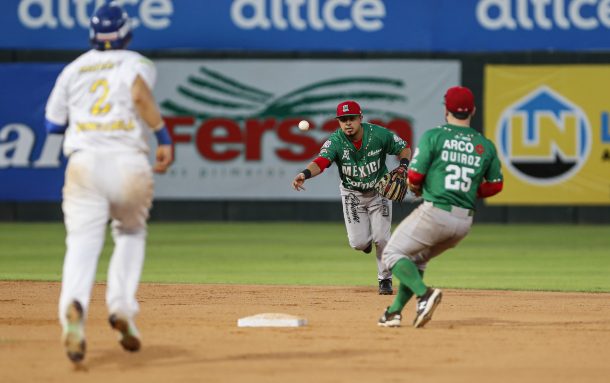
[458, 178]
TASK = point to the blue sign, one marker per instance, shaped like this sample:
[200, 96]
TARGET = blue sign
[321, 25]
[31, 164]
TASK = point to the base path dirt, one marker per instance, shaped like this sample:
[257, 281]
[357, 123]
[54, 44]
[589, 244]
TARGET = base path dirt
[190, 334]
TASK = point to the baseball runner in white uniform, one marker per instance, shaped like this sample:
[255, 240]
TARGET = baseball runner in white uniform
[103, 103]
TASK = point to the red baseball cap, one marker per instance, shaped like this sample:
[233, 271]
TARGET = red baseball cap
[348, 108]
[459, 99]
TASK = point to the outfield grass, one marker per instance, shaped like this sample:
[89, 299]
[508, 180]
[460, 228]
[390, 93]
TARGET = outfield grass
[512, 257]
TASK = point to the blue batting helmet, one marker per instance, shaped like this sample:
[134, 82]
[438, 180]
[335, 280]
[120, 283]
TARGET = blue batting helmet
[110, 27]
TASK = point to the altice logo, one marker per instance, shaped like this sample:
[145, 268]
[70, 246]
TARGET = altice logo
[317, 15]
[53, 14]
[543, 14]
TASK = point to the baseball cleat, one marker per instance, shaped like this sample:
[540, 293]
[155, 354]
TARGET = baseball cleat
[426, 305]
[385, 287]
[74, 333]
[389, 319]
[129, 336]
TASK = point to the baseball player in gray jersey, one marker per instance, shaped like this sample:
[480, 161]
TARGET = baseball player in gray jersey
[453, 165]
[359, 149]
[102, 102]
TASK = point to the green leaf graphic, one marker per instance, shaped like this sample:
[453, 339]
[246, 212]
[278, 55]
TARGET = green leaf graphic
[234, 83]
[201, 83]
[212, 101]
[345, 81]
[307, 101]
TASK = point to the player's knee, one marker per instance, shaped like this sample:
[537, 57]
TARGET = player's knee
[133, 227]
[359, 244]
[390, 257]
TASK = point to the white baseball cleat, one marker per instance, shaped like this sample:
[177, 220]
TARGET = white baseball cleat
[426, 305]
[389, 319]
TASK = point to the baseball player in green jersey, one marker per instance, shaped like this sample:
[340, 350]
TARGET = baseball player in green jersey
[359, 149]
[452, 166]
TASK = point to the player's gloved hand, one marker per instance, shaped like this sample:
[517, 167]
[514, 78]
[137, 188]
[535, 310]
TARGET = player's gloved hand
[393, 185]
[164, 158]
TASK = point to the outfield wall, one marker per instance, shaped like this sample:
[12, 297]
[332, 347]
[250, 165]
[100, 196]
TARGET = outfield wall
[568, 201]
[169, 211]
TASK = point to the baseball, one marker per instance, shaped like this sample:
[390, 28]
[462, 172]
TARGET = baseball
[303, 125]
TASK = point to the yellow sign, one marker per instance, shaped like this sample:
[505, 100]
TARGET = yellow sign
[550, 126]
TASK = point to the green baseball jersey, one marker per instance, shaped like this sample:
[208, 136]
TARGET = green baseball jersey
[455, 160]
[360, 169]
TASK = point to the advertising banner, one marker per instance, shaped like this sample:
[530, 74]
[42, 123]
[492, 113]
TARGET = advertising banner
[320, 25]
[550, 125]
[31, 164]
[234, 123]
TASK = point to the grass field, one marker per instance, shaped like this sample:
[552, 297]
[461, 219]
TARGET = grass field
[511, 257]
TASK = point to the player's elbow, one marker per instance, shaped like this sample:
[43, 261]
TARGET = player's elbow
[497, 187]
[488, 189]
[139, 98]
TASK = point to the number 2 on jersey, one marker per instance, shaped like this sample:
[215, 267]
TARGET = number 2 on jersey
[100, 107]
[458, 178]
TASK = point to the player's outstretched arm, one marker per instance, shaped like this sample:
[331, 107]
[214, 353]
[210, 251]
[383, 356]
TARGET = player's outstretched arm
[310, 171]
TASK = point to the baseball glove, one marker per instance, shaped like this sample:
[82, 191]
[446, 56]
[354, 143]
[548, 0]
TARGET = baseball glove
[393, 185]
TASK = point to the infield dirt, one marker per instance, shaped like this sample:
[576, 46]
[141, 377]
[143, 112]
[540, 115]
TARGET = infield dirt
[190, 334]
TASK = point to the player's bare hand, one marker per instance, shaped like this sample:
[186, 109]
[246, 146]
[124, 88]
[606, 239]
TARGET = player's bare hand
[164, 158]
[298, 181]
[416, 189]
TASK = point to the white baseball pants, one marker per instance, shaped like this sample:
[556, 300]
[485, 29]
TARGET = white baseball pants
[425, 233]
[102, 186]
